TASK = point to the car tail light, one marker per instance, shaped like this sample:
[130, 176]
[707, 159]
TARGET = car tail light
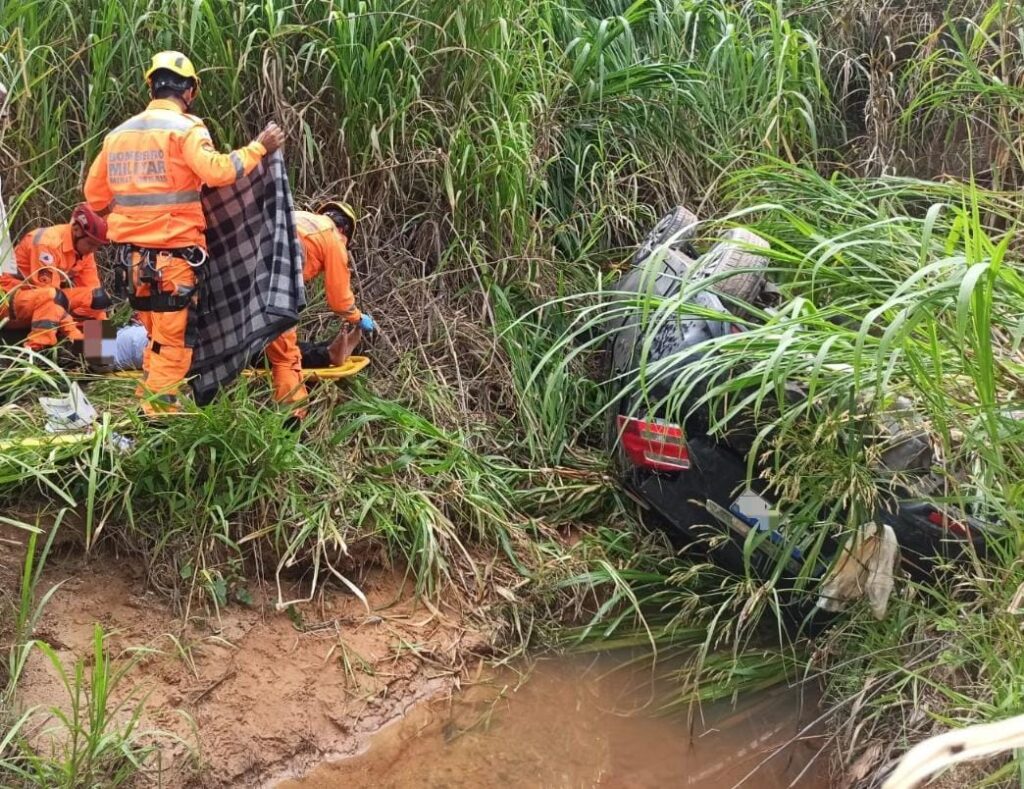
[943, 521]
[654, 444]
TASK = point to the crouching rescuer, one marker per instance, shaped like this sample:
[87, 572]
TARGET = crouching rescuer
[325, 236]
[54, 284]
[148, 177]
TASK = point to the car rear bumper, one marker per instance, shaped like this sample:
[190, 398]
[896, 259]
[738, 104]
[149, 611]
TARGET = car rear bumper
[676, 503]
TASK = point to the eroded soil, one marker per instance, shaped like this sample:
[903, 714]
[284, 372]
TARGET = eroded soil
[332, 693]
[258, 694]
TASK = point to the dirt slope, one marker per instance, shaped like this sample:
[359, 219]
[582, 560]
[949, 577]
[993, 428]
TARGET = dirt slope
[269, 693]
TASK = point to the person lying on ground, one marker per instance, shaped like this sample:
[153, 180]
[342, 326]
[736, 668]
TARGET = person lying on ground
[325, 236]
[53, 283]
[148, 176]
[127, 350]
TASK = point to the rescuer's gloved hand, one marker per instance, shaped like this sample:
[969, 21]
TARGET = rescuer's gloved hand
[367, 323]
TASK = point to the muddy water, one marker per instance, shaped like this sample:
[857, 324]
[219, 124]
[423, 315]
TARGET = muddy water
[568, 725]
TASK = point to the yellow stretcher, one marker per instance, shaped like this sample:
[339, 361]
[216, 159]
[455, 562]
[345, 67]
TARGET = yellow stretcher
[351, 366]
[48, 440]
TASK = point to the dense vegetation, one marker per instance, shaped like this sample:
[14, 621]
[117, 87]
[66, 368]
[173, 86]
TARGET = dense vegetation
[506, 154]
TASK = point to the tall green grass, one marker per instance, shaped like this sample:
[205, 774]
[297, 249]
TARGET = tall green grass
[94, 738]
[889, 288]
[516, 122]
[504, 154]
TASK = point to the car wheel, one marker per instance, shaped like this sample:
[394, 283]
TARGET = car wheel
[682, 221]
[736, 254]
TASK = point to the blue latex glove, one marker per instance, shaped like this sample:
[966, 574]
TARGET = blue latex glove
[367, 323]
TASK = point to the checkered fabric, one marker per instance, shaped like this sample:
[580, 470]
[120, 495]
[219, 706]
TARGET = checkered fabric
[253, 287]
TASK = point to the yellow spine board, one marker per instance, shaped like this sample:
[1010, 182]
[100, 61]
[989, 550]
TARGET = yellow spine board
[352, 366]
[57, 439]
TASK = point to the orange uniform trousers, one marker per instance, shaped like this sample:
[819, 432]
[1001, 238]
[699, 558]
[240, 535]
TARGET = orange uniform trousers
[286, 370]
[81, 305]
[168, 357]
[44, 311]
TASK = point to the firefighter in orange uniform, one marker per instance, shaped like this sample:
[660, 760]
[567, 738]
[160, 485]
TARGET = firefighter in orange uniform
[324, 237]
[63, 257]
[148, 176]
[56, 282]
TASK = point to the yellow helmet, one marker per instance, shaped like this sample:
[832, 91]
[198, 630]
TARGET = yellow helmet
[174, 62]
[340, 207]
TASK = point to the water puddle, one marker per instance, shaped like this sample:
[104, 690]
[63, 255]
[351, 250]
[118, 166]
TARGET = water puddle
[567, 726]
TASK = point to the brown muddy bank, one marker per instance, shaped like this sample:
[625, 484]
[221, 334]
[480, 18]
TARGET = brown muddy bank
[248, 694]
[331, 694]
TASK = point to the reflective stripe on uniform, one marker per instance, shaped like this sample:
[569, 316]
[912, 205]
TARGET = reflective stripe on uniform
[236, 160]
[167, 122]
[38, 236]
[45, 325]
[308, 224]
[156, 199]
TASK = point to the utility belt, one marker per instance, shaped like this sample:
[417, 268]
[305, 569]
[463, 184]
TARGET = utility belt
[150, 273]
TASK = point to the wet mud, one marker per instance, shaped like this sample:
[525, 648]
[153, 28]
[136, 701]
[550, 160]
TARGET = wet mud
[569, 724]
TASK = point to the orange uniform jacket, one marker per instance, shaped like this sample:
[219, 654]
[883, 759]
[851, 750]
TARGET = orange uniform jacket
[150, 172]
[48, 248]
[326, 252]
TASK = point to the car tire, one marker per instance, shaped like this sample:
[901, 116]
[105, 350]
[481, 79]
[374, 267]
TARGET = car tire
[682, 221]
[736, 253]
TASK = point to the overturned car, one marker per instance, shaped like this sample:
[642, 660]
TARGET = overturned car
[706, 486]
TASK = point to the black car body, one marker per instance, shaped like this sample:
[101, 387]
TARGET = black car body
[692, 484]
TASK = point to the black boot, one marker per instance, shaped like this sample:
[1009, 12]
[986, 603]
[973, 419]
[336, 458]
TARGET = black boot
[296, 424]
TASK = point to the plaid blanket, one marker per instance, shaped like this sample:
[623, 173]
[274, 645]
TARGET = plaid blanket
[252, 289]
